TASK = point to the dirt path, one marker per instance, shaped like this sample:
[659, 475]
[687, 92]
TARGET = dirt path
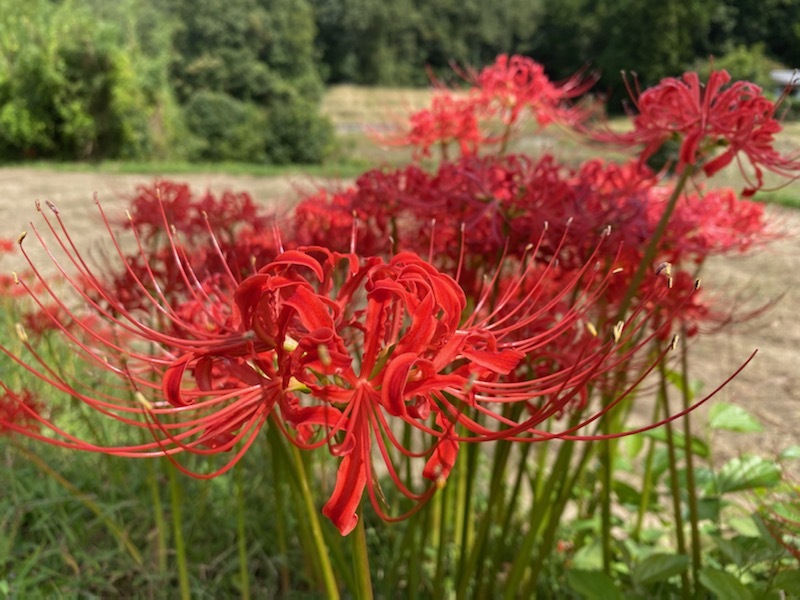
[769, 387]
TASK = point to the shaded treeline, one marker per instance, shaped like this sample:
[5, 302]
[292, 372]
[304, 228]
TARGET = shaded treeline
[242, 79]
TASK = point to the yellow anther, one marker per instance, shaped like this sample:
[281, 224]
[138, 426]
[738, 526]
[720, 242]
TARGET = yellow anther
[617, 333]
[146, 404]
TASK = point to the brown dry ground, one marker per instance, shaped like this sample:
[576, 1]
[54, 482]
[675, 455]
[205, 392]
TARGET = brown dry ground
[769, 387]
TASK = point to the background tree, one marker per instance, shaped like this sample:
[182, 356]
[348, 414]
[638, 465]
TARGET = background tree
[241, 69]
[71, 86]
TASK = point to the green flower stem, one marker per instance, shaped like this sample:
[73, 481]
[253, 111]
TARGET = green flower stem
[467, 523]
[158, 514]
[281, 518]
[116, 530]
[241, 537]
[607, 446]
[562, 496]
[321, 548]
[176, 506]
[647, 481]
[481, 550]
[675, 489]
[444, 498]
[510, 505]
[606, 470]
[310, 528]
[480, 554]
[652, 246]
[691, 482]
[362, 578]
[544, 505]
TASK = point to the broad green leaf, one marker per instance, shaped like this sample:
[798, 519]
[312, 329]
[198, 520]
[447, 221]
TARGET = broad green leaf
[632, 445]
[660, 567]
[724, 585]
[732, 417]
[709, 508]
[788, 581]
[593, 585]
[744, 526]
[698, 446]
[695, 386]
[731, 550]
[628, 495]
[747, 473]
[590, 557]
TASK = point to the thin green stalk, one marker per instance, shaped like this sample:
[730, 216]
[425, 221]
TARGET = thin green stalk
[281, 518]
[479, 557]
[444, 499]
[655, 238]
[691, 483]
[607, 446]
[607, 468]
[675, 489]
[321, 548]
[158, 513]
[547, 540]
[542, 506]
[481, 549]
[363, 578]
[510, 505]
[647, 481]
[467, 523]
[241, 536]
[176, 506]
[406, 547]
[310, 528]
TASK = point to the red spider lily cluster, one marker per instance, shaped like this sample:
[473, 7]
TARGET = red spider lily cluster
[716, 123]
[504, 92]
[483, 299]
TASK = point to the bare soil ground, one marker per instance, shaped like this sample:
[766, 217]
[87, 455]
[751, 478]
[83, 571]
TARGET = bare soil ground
[769, 387]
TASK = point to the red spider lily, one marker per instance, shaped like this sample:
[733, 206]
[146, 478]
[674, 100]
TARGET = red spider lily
[227, 214]
[736, 118]
[19, 411]
[202, 420]
[448, 121]
[506, 90]
[713, 223]
[517, 83]
[335, 350]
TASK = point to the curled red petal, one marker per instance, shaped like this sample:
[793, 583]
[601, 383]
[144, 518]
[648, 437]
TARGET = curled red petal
[350, 482]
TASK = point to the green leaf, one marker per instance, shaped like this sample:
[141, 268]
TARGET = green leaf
[660, 567]
[745, 526]
[695, 386]
[724, 585]
[788, 581]
[732, 417]
[698, 446]
[593, 585]
[790, 453]
[590, 557]
[747, 473]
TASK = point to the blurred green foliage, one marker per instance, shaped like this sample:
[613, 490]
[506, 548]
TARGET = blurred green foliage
[233, 80]
[242, 79]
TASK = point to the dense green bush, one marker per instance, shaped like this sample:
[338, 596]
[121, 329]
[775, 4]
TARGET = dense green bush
[223, 128]
[749, 63]
[297, 133]
[69, 85]
[246, 74]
